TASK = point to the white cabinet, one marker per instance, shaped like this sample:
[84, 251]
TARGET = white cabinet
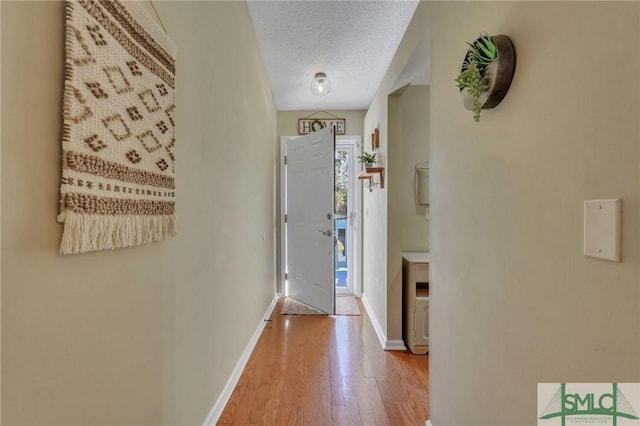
[415, 301]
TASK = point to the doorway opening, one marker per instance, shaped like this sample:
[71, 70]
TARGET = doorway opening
[346, 216]
[346, 213]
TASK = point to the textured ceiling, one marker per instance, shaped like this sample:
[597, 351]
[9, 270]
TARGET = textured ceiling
[353, 42]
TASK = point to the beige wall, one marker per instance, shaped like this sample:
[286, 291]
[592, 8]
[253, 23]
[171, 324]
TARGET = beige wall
[374, 227]
[513, 300]
[382, 229]
[393, 188]
[151, 334]
[288, 126]
[415, 150]
[0, 234]
[81, 335]
[407, 230]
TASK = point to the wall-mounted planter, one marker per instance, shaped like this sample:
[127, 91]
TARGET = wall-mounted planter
[495, 78]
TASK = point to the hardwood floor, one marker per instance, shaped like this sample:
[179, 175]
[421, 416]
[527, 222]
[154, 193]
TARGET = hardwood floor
[328, 370]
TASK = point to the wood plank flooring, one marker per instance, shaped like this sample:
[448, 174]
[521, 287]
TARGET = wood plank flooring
[328, 370]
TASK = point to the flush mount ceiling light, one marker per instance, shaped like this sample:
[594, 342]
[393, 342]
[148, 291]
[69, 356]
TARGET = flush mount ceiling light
[320, 85]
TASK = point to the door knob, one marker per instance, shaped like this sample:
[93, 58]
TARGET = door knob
[327, 232]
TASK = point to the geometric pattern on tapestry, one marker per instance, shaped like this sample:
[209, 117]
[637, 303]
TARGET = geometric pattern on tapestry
[118, 143]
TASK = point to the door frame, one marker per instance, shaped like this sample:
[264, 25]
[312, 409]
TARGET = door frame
[356, 141]
[353, 227]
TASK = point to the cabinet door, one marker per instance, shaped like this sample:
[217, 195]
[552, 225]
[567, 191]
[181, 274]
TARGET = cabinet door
[421, 321]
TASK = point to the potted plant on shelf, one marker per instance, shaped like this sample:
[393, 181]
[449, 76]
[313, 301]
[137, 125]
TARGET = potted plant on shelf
[368, 159]
[486, 72]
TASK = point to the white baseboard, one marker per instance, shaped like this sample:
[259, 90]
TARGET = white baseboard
[387, 345]
[218, 407]
[374, 320]
[395, 345]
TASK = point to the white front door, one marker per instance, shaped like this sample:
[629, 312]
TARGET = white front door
[309, 225]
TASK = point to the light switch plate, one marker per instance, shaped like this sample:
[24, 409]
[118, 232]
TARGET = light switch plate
[602, 229]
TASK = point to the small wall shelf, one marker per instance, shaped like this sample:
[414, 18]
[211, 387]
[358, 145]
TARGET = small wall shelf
[369, 173]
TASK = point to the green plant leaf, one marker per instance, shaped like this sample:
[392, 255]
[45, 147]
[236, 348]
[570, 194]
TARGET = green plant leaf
[367, 157]
[488, 48]
[481, 53]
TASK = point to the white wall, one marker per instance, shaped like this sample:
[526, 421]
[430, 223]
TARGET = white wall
[513, 300]
[145, 335]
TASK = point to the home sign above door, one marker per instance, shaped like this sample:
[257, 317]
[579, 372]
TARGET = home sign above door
[310, 125]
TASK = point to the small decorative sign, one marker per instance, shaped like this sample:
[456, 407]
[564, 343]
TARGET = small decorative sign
[375, 139]
[309, 125]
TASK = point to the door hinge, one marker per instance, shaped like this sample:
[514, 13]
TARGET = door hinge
[285, 159]
[285, 218]
[286, 276]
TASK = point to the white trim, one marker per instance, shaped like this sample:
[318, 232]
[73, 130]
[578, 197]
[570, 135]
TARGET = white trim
[387, 345]
[357, 282]
[374, 320]
[355, 269]
[351, 178]
[218, 407]
[351, 145]
[395, 345]
[283, 211]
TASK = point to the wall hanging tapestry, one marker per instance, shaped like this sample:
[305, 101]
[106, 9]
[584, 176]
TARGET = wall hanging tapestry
[118, 143]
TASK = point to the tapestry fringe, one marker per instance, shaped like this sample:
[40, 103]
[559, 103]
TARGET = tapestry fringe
[91, 232]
